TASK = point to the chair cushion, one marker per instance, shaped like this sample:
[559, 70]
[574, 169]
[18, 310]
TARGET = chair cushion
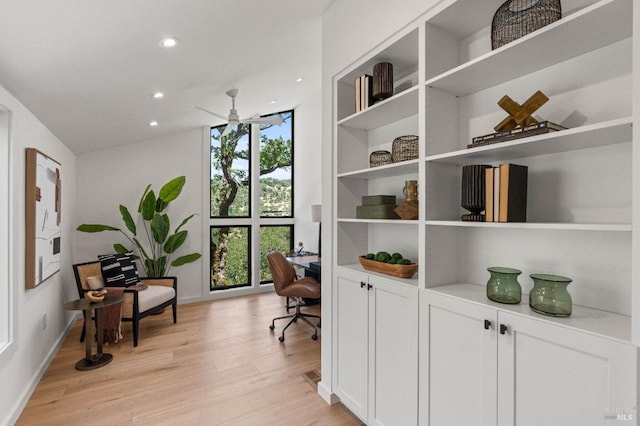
[119, 270]
[304, 287]
[153, 296]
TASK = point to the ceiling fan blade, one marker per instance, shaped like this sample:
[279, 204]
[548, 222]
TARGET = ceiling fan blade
[227, 129]
[211, 112]
[275, 120]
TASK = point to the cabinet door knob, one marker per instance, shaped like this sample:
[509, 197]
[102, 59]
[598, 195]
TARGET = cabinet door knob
[487, 324]
[362, 284]
[503, 329]
[369, 286]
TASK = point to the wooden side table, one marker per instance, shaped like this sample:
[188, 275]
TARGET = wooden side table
[91, 361]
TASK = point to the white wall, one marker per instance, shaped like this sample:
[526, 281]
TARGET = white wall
[118, 175]
[33, 347]
[308, 170]
[350, 29]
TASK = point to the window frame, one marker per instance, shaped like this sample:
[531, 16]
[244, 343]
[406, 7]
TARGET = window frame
[8, 322]
[249, 257]
[293, 144]
[249, 168]
[292, 228]
[254, 220]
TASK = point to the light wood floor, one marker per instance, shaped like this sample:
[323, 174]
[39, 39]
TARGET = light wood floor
[219, 365]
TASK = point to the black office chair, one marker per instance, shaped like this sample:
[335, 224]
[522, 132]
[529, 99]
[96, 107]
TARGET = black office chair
[286, 284]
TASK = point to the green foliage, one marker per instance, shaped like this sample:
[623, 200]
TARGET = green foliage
[273, 238]
[230, 197]
[156, 261]
[274, 154]
[275, 197]
[230, 256]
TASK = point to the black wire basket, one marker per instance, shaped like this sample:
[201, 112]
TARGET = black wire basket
[379, 158]
[516, 18]
[404, 148]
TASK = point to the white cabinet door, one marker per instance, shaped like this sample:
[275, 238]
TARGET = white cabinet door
[351, 312]
[462, 352]
[550, 375]
[393, 353]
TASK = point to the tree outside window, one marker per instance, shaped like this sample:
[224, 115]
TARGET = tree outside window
[232, 184]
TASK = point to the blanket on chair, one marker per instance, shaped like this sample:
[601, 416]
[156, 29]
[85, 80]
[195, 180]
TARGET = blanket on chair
[111, 316]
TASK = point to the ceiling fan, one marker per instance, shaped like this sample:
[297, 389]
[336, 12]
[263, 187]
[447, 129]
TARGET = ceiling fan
[234, 119]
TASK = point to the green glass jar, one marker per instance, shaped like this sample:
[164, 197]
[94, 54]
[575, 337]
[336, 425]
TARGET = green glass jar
[503, 285]
[549, 295]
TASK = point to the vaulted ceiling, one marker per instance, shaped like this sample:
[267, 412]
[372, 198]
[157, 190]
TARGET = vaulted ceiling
[88, 68]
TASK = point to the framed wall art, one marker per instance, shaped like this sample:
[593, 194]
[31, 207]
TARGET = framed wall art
[42, 217]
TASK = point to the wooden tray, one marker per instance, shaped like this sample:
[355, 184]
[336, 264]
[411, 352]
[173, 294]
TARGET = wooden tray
[400, 271]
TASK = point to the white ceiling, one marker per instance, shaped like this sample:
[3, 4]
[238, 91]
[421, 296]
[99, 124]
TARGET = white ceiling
[87, 68]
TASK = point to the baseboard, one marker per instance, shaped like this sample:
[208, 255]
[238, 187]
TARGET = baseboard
[22, 402]
[326, 394]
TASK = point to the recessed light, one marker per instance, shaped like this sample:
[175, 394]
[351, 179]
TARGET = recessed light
[299, 80]
[275, 101]
[169, 42]
[158, 95]
[153, 124]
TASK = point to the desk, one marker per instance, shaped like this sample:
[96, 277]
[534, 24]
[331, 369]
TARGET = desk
[310, 264]
[90, 361]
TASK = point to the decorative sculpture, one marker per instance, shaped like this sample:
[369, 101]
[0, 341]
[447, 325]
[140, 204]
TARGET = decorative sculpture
[520, 115]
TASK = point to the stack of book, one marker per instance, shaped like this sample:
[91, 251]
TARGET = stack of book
[506, 193]
[364, 92]
[517, 133]
[377, 207]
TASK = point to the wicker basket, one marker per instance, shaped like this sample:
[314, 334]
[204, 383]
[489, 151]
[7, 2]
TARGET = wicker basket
[516, 18]
[379, 158]
[404, 148]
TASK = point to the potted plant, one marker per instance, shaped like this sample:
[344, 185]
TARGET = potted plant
[156, 258]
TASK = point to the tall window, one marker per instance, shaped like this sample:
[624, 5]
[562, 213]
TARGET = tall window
[251, 200]
[273, 238]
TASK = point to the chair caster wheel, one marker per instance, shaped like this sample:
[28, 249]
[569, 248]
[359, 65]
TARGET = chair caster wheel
[314, 337]
[272, 327]
[281, 338]
[295, 320]
[319, 324]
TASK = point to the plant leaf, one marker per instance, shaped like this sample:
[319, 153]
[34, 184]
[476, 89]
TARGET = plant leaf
[149, 267]
[175, 241]
[127, 219]
[140, 248]
[95, 227]
[183, 222]
[160, 205]
[149, 206]
[162, 266]
[172, 189]
[156, 267]
[120, 249]
[186, 259]
[144, 194]
[160, 227]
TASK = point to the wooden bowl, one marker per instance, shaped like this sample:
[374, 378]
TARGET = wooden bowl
[96, 295]
[400, 271]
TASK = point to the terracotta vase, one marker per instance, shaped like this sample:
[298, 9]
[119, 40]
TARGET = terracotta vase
[408, 210]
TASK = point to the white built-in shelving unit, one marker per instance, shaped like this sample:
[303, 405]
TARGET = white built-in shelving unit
[582, 181]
